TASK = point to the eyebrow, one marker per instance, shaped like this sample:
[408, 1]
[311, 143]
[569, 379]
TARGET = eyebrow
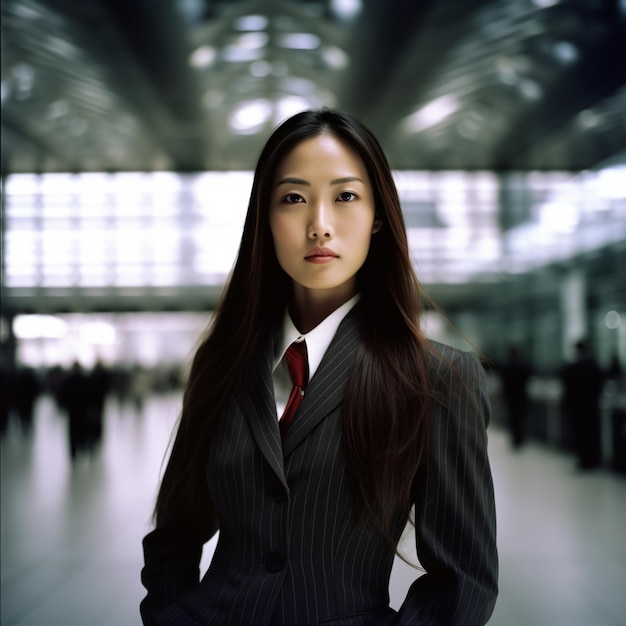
[300, 181]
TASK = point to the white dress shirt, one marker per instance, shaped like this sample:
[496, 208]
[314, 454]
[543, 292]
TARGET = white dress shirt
[317, 341]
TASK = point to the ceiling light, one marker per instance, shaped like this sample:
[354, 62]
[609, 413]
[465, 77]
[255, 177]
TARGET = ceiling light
[346, 9]
[204, 56]
[39, 326]
[239, 54]
[250, 23]
[290, 105]
[565, 52]
[299, 41]
[588, 118]
[612, 320]
[261, 68]
[335, 57]
[250, 116]
[432, 114]
[252, 41]
[530, 89]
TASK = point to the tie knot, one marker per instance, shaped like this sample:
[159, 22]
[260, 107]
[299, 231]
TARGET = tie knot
[297, 362]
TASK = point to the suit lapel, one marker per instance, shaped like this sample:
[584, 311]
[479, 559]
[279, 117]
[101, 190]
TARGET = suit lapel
[323, 394]
[326, 389]
[256, 399]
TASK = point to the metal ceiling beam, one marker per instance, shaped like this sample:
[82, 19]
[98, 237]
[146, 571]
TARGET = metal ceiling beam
[157, 38]
[380, 36]
[147, 74]
[143, 46]
[398, 50]
[14, 132]
[599, 74]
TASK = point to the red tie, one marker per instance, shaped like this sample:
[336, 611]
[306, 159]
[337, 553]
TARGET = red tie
[297, 363]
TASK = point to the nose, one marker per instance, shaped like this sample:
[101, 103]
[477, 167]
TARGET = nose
[320, 224]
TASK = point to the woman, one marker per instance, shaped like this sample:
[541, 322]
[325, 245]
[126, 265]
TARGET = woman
[310, 516]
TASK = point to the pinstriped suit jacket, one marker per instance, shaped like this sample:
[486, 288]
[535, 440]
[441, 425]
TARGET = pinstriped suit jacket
[289, 551]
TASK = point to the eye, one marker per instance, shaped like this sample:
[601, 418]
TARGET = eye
[292, 198]
[346, 196]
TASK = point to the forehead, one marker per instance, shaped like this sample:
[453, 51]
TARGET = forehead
[320, 155]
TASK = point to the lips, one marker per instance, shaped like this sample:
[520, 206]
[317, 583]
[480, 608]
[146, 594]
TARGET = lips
[321, 252]
[321, 255]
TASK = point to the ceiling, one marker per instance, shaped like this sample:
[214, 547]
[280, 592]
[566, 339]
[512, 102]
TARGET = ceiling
[193, 85]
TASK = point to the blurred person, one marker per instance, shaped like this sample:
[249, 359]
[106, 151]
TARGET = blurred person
[55, 379]
[76, 399]
[514, 375]
[310, 507]
[583, 380]
[175, 377]
[615, 371]
[121, 383]
[140, 387]
[26, 391]
[99, 385]
[6, 394]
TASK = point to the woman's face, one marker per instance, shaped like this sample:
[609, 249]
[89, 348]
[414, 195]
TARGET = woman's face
[322, 217]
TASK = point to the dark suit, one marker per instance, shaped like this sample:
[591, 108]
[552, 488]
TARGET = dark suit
[289, 550]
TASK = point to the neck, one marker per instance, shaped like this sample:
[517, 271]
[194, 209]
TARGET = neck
[309, 308]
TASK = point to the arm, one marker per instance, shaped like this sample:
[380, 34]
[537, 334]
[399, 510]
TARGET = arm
[455, 510]
[172, 553]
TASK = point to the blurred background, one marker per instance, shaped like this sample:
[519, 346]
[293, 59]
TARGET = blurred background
[130, 129]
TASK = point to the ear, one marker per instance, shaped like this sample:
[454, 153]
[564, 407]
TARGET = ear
[378, 224]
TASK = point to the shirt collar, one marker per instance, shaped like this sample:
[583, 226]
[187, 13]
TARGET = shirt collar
[318, 339]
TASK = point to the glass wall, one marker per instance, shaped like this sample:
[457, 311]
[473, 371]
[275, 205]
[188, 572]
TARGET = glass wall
[153, 241]
[124, 230]
[146, 230]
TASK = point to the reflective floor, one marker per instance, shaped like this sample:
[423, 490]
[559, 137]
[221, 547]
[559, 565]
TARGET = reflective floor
[71, 533]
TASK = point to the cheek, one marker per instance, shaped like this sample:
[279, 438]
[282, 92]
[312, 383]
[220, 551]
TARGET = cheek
[281, 234]
[364, 246]
[276, 228]
[363, 235]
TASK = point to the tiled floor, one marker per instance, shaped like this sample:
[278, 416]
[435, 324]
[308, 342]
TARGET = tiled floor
[71, 535]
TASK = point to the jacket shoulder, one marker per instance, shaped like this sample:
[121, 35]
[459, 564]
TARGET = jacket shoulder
[447, 365]
[441, 352]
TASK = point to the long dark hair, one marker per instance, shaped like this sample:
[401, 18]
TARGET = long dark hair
[386, 400]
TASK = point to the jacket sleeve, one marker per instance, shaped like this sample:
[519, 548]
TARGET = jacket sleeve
[172, 553]
[455, 509]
